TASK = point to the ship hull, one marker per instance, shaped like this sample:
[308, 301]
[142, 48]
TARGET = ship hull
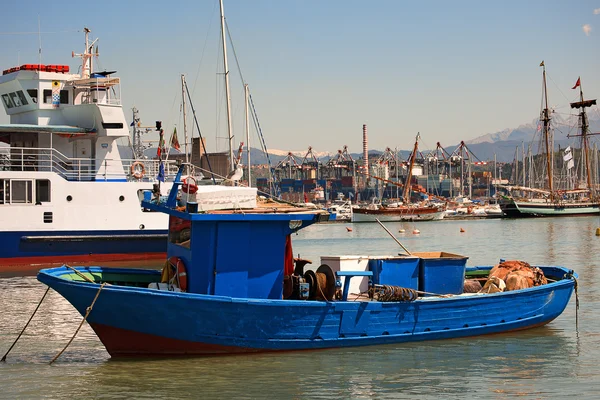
[47, 247]
[397, 214]
[524, 209]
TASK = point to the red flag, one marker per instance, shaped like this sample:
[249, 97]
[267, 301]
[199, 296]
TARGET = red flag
[288, 260]
[578, 83]
[174, 140]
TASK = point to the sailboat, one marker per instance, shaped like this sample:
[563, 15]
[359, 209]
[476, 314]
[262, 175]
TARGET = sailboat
[401, 212]
[548, 201]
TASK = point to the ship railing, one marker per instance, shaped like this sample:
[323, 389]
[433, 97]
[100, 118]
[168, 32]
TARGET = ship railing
[151, 169]
[99, 90]
[80, 169]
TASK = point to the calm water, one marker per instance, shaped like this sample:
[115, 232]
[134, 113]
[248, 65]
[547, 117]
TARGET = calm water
[554, 361]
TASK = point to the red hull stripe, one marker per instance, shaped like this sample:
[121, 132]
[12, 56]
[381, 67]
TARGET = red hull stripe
[126, 343]
[8, 264]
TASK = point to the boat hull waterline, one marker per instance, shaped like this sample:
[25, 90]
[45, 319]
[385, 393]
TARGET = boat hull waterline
[162, 323]
[515, 209]
[48, 247]
[395, 214]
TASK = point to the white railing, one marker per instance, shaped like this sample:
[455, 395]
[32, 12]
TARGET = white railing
[79, 169]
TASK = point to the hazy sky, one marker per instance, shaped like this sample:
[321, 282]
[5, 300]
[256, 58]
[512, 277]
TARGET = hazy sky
[320, 69]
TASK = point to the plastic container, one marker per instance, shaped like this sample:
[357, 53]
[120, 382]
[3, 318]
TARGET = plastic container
[350, 263]
[396, 271]
[441, 272]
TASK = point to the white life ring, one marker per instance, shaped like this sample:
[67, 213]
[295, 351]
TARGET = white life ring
[138, 170]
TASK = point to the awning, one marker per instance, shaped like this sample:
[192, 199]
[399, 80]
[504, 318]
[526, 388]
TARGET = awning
[60, 129]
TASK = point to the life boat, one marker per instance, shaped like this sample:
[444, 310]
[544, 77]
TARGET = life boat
[189, 187]
[138, 170]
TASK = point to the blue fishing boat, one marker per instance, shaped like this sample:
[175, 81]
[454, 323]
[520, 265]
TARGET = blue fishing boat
[231, 286]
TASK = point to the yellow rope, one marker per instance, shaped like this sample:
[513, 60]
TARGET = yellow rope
[88, 311]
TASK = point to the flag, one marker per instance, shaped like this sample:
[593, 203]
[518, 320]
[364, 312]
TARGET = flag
[578, 83]
[161, 143]
[174, 140]
[570, 164]
[55, 94]
[161, 172]
[542, 63]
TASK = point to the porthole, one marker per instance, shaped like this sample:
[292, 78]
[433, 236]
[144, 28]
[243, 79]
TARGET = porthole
[69, 198]
[142, 226]
[121, 198]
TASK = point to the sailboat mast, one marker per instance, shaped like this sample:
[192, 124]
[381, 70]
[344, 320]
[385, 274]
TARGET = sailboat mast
[584, 134]
[407, 185]
[227, 94]
[247, 108]
[546, 120]
[584, 140]
[185, 137]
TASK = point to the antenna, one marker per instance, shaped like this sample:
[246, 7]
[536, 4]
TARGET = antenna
[86, 57]
[39, 39]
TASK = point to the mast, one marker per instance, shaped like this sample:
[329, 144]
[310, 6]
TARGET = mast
[584, 133]
[135, 132]
[246, 95]
[227, 94]
[546, 119]
[407, 185]
[185, 138]
[86, 56]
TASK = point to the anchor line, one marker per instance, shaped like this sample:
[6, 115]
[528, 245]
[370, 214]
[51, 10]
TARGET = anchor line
[27, 324]
[87, 313]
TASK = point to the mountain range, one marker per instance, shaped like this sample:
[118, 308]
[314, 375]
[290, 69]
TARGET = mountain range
[500, 145]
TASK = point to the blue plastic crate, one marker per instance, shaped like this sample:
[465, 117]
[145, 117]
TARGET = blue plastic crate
[396, 271]
[441, 272]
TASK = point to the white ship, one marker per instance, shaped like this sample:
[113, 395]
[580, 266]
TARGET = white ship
[65, 193]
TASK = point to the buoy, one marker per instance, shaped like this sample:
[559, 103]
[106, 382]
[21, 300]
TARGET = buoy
[349, 229]
[401, 230]
[597, 231]
[416, 231]
[462, 230]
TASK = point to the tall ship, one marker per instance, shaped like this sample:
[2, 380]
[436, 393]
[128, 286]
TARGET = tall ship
[407, 211]
[549, 201]
[65, 192]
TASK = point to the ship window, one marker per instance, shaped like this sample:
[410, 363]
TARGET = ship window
[21, 191]
[16, 100]
[7, 101]
[42, 190]
[6, 187]
[64, 97]
[33, 94]
[22, 97]
[48, 96]
[2, 191]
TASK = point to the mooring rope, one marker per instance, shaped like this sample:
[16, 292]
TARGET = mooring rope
[27, 324]
[576, 305]
[87, 313]
[79, 273]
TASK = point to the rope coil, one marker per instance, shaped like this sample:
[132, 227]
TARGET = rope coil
[385, 293]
